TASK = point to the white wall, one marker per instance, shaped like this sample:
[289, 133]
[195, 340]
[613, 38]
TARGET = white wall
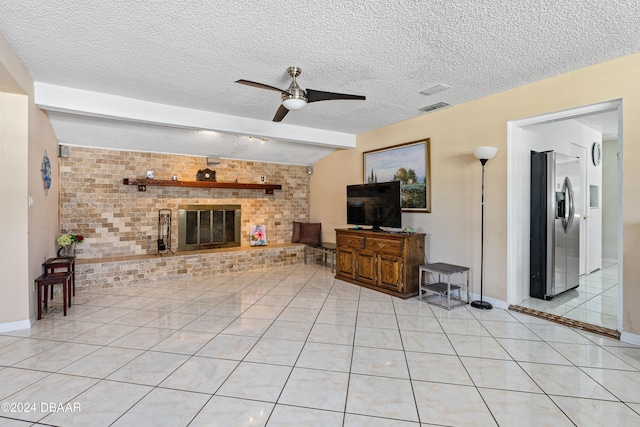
[610, 196]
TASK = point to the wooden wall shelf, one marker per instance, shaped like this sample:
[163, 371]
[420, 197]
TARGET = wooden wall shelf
[142, 184]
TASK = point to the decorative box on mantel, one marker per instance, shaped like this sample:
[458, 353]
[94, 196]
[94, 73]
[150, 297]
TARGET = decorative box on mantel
[142, 183]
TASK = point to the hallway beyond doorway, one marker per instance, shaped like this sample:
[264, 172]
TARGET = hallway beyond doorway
[594, 302]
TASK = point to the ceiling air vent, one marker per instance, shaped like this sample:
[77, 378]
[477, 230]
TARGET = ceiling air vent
[435, 106]
[435, 89]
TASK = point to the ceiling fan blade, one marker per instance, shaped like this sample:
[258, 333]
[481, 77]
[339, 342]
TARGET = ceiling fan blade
[282, 111]
[318, 95]
[261, 86]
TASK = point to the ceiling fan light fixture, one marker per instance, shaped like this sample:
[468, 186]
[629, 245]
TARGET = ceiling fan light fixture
[295, 98]
[294, 104]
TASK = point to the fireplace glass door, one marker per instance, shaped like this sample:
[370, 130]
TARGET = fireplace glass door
[208, 226]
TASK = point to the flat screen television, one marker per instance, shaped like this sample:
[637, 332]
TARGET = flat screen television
[376, 205]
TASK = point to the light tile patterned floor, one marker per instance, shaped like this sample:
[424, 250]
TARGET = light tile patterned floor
[594, 301]
[293, 346]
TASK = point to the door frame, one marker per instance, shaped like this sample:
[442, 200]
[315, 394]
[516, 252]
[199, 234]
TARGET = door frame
[517, 265]
[584, 209]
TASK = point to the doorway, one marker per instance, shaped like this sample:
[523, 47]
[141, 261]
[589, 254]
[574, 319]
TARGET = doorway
[582, 201]
[565, 131]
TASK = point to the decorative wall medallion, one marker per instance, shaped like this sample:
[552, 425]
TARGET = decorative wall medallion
[46, 173]
[206, 175]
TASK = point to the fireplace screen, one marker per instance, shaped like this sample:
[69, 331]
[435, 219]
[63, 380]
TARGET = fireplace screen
[208, 226]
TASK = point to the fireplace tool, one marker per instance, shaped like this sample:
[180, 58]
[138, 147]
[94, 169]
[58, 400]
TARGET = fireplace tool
[164, 231]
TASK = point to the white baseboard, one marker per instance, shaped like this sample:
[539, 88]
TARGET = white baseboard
[15, 326]
[630, 338]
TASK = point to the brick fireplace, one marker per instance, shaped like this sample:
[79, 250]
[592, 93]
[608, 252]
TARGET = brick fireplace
[119, 221]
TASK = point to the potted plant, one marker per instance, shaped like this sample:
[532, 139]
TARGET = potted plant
[67, 244]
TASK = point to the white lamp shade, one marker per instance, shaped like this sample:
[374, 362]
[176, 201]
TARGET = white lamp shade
[294, 104]
[485, 152]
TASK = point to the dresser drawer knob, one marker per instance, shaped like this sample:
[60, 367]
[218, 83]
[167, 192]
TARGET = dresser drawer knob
[381, 245]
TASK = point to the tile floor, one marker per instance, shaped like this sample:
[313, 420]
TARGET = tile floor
[595, 301]
[292, 346]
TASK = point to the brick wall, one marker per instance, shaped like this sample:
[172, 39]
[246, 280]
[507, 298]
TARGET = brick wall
[118, 221]
[140, 270]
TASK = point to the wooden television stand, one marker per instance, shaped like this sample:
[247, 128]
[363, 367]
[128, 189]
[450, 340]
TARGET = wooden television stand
[380, 260]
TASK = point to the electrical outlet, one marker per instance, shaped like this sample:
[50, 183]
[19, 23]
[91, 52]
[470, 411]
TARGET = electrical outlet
[263, 179]
[34, 286]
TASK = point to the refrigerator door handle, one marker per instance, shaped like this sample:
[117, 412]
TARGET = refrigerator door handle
[572, 206]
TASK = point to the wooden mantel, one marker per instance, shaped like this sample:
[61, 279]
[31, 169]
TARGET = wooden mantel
[142, 183]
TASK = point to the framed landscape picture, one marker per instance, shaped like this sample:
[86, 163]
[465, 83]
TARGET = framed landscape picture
[408, 163]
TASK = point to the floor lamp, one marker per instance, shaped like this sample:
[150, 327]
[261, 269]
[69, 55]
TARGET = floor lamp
[483, 154]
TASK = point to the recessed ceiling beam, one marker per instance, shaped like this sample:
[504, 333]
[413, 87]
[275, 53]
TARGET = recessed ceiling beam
[76, 101]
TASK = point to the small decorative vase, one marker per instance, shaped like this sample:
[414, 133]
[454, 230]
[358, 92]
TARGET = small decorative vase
[69, 250]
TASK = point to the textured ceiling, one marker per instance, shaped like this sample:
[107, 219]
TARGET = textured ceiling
[189, 54]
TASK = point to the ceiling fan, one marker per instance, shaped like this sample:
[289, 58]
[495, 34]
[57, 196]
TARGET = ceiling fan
[295, 98]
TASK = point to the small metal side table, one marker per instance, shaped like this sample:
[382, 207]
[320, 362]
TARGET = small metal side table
[440, 292]
[323, 249]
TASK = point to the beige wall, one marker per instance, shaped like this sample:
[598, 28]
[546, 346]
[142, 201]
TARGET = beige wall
[43, 215]
[26, 134]
[13, 216]
[454, 224]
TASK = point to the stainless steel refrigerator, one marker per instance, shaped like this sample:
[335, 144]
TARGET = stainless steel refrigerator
[555, 224]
